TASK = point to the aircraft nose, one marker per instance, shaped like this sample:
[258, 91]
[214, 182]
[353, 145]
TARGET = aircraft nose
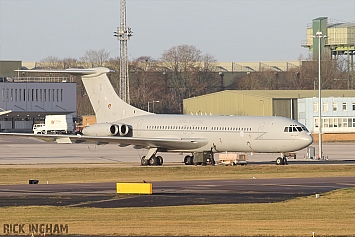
[308, 139]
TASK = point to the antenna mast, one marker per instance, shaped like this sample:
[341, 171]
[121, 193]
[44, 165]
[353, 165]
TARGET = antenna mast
[123, 34]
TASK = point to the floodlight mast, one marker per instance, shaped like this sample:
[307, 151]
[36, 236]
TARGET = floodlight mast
[319, 35]
[123, 34]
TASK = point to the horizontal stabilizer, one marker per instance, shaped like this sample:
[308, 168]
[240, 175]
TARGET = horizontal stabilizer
[71, 71]
[5, 112]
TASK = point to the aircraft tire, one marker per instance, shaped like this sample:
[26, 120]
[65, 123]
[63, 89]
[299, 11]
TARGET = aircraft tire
[154, 161]
[185, 160]
[279, 161]
[189, 160]
[160, 160]
[144, 162]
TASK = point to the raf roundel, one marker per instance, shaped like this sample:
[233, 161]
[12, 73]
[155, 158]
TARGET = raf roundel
[109, 106]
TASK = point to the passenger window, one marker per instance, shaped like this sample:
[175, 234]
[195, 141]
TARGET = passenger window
[290, 129]
[294, 129]
[286, 129]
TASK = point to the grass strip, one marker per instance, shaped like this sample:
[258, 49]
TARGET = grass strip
[15, 175]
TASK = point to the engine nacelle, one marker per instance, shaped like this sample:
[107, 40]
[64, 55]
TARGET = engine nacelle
[107, 129]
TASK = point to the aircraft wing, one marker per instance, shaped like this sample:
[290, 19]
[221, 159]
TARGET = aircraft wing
[169, 143]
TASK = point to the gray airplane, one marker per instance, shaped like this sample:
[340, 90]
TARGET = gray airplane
[121, 123]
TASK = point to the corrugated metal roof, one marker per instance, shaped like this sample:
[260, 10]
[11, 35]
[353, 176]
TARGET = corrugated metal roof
[342, 25]
[282, 94]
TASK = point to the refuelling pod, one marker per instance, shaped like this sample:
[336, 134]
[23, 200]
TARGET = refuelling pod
[108, 129]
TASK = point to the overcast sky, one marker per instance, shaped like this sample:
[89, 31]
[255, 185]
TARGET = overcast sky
[229, 30]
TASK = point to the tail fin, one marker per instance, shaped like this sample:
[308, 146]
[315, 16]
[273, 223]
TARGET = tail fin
[107, 105]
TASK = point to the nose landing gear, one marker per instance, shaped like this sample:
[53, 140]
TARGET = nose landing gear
[282, 160]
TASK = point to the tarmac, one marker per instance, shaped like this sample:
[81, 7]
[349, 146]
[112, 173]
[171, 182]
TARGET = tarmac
[30, 152]
[172, 193]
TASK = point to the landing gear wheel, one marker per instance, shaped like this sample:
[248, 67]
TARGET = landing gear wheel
[144, 162]
[153, 160]
[279, 161]
[189, 160]
[160, 160]
[185, 160]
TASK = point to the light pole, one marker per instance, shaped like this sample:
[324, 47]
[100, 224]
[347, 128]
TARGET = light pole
[156, 101]
[319, 35]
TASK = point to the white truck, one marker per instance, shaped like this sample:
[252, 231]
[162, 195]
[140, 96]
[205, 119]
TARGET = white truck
[57, 124]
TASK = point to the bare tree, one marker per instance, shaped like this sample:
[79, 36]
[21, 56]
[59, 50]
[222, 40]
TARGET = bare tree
[147, 83]
[189, 72]
[51, 63]
[93, 58]
[114, 65]
[83, 104]
[70, 63]
[249, 82]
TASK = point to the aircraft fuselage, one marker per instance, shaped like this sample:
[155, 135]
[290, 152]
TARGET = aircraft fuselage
[225, 133]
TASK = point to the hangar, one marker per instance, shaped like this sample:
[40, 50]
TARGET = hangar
[296, 104]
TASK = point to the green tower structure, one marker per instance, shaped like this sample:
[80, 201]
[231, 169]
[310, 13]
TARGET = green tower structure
[319, 24]
[340, 41]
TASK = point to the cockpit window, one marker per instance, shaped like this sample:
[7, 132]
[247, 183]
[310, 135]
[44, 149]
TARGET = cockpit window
[295, 128]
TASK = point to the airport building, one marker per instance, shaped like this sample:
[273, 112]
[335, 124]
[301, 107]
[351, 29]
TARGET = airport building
[24, 99]
[338, 114]
[301, 105]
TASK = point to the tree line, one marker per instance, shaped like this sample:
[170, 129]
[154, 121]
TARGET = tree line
[184, 71]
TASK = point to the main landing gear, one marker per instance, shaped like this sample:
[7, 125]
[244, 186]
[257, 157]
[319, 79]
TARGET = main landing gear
[153, 159]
